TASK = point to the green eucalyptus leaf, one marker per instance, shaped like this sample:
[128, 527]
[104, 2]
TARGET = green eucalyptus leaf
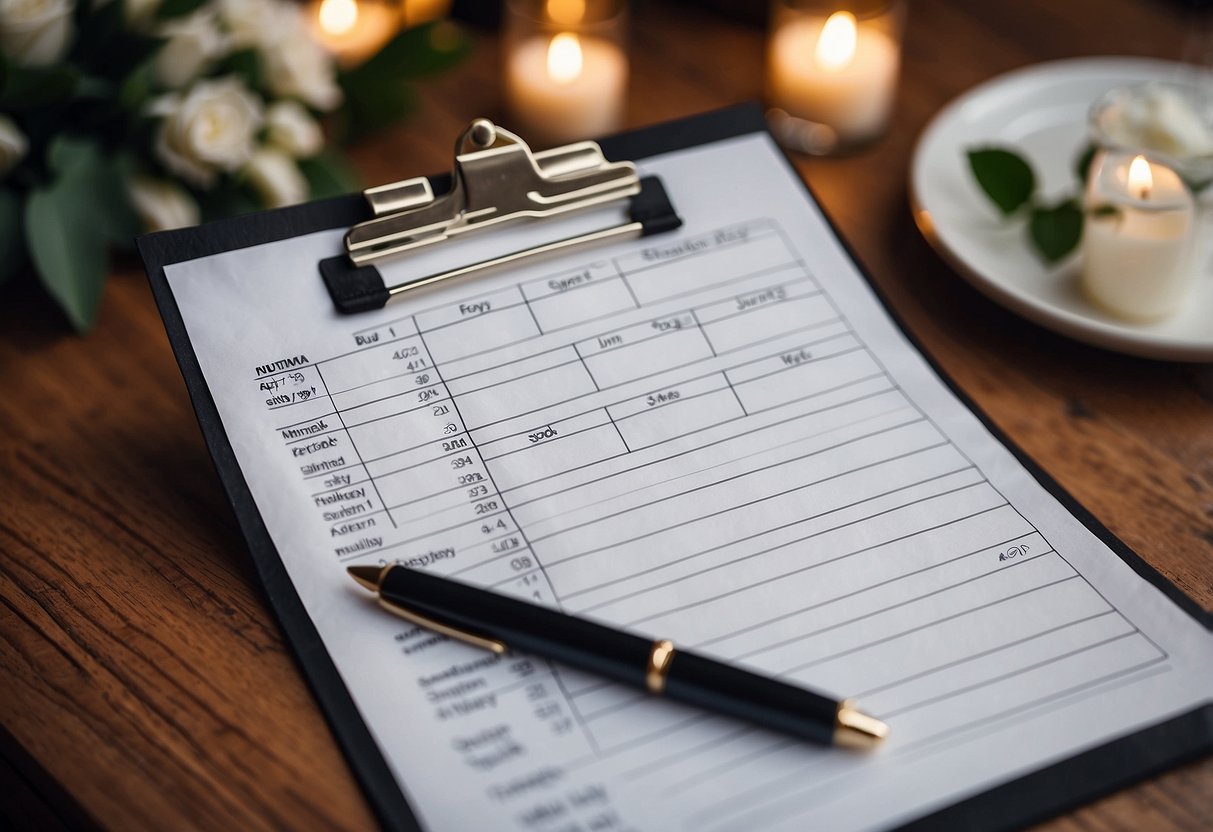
[1056, 230]
[1082, 163]
[329, 174]
[1006, 177]
[12, 246]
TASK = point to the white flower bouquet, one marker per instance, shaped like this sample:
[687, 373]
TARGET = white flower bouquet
[123, 116]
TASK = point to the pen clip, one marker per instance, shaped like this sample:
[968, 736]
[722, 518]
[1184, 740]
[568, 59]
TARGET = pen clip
[442, 628]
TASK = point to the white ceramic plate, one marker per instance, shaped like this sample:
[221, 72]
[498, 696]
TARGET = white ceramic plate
[1042, 111]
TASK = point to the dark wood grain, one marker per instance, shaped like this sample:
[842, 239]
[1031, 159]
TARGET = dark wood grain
[146, 685]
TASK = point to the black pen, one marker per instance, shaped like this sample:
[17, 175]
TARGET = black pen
[499, 623]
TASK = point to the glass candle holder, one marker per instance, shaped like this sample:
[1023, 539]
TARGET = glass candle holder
[566, 68]
[1138, 237]
[832, 72]
[1172, 123]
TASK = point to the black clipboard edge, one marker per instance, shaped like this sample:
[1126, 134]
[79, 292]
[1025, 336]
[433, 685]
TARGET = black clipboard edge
[1036, 796]
[351, 732]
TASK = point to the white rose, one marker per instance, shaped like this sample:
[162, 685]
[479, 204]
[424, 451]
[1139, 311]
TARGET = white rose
[161, 204]
[298, 67]
[35, 32]
[254, 22]
[209, 128]
[291, 128]
[276, 177]
[13, 145]
[140, 11]
[194, 42]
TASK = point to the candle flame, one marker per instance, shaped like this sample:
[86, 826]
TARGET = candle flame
[338, 16]
[564, 58]
[1141, 180]
[836, 46]
[566, 12]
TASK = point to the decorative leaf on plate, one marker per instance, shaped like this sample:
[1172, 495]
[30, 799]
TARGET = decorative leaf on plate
[1056, 230]
[1082, 163]
[1005, 176]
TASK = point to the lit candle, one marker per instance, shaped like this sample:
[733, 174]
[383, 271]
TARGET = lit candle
[1138, 237]
[836, 71]
[567, 87]
[353, 30]
[417, 12]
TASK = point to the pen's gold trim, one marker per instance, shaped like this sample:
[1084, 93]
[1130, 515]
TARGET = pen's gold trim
[855, 729]
[369, 577]
[441, 628]
[659, 666]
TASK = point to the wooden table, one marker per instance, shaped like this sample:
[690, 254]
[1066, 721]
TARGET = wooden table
[145, 683]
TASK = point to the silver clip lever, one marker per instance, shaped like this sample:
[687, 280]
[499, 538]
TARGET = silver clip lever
[496, 180]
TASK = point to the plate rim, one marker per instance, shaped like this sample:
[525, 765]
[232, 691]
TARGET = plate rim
[1111, 335]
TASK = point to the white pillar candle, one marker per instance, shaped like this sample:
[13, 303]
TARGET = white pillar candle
[1138, 237]
[567, 87]
[835, 71]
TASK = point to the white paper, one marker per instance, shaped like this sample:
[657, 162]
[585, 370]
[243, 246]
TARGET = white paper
[715, 436]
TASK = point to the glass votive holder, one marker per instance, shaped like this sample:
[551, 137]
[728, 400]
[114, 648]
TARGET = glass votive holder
[1172, 123]
[832, 72]
[566, 68]
[1138, 237]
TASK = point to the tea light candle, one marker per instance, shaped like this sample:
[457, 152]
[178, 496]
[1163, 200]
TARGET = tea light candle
[567, 87]
[352, 30]
[1137, 240]
[835, 71]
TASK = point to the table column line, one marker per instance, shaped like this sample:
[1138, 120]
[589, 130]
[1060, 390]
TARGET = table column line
[370, 477]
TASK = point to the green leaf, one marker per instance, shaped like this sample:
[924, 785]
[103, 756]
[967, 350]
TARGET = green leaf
[371, 107]
[30, 87]
[70, 222]
[1196, 185]
[329, 174]
[246, 63]
[1056, 230]
[111, 48]
[178, 8]
[1105, 211]
[228, 200]
[12, 247]
[423, 50]
[1082, 163]
[1006, 177]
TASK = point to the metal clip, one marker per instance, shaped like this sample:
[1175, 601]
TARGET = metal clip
[497, 180]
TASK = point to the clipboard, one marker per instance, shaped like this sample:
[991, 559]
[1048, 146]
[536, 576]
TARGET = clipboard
[1035, 796]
